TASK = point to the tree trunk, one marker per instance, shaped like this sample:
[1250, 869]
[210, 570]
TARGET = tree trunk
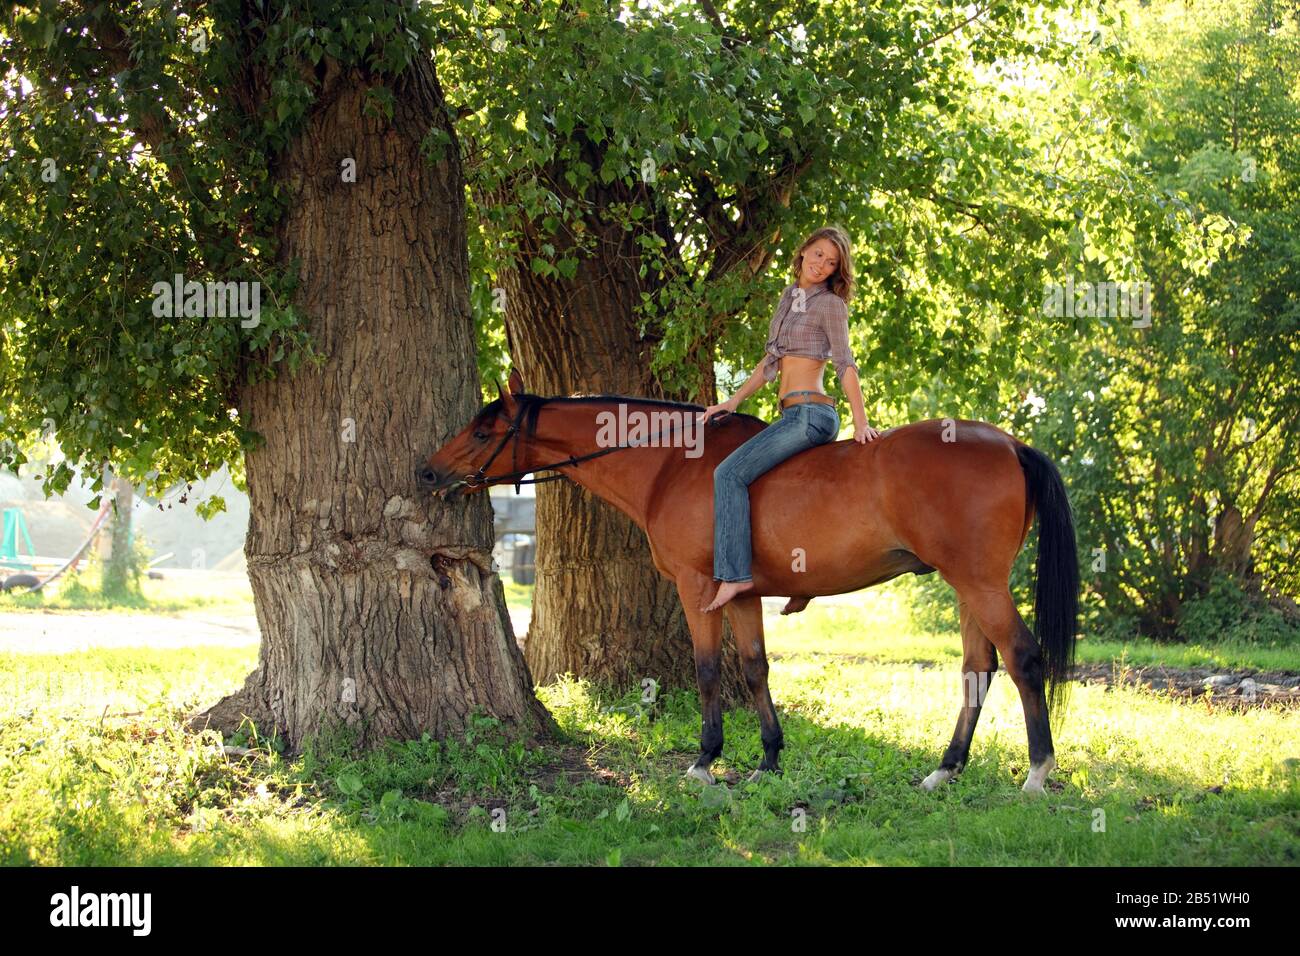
[1233, 537]
[117, 578]
[379, 608]
[601, 610]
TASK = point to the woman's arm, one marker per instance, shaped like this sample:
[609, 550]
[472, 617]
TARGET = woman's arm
[853, 389]
[846, 369]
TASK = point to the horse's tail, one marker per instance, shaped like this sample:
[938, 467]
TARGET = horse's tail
[1056, 586]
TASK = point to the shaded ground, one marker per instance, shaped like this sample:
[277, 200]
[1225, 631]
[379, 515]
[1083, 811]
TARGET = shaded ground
[1240, 689]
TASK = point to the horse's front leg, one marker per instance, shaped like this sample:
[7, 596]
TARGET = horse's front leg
[746, 615]
[706, 636]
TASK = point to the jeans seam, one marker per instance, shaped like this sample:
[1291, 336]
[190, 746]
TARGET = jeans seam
[822, 439]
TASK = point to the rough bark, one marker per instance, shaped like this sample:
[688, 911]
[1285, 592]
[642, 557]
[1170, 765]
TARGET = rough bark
[378, 607]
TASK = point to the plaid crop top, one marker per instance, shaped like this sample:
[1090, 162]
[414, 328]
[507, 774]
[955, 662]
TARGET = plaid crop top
[813, 323]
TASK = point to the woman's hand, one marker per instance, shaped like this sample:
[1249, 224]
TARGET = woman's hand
[704, 416]
[864, 433]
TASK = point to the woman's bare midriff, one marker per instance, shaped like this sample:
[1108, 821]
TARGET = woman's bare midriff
[799, 374]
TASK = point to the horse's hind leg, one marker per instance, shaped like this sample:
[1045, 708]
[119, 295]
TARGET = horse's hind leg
[746, 615]
[979, 664]
[1002, 624]
[706, 637]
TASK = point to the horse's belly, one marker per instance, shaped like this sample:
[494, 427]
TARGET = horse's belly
[821, 544]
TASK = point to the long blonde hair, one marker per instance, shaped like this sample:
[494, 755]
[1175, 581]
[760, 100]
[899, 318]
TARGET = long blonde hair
[841, 283]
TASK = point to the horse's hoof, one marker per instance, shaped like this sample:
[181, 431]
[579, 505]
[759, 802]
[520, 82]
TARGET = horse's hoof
[1038, 776]
[757, 775]
[701, 774]
[937, 779]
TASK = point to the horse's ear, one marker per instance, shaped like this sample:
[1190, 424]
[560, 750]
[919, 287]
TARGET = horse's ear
[516, 382]
[498, 381]
[507, 399]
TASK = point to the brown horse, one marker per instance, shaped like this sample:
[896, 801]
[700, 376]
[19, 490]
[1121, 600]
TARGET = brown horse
[953, 496]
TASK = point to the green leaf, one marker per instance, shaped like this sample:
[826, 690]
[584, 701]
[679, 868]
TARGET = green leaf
[106, 765]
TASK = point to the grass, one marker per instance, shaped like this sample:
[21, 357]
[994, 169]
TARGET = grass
[96, 770]
[517, 595]
[178, 591]
[874, 625]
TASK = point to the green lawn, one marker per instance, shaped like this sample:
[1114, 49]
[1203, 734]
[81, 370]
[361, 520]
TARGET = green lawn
[175, 592]
[96, 770]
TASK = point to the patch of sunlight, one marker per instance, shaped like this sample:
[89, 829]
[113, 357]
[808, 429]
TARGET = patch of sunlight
[575, 706]
[875, 625]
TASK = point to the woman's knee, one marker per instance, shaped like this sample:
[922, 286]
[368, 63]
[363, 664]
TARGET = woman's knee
[727, 471]
[726, 478]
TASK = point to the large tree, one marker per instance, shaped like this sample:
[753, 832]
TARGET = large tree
[302, 152]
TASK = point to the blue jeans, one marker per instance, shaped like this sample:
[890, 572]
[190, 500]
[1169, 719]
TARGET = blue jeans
[800, 427]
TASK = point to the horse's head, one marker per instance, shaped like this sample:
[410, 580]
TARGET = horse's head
[491, 445]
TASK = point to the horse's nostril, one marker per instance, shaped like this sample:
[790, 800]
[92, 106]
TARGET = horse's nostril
[426, 475]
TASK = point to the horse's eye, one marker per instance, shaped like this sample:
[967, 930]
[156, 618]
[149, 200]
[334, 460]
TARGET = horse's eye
[481, 436]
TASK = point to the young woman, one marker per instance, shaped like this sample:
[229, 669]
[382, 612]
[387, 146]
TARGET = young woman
[810, 326]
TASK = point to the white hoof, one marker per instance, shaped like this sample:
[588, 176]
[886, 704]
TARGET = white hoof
[701, 774]
[1037, 778]
[937, 779]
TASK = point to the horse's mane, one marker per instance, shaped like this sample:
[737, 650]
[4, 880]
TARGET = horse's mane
[532, 406]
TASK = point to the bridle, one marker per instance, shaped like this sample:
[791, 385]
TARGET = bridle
[480, 478]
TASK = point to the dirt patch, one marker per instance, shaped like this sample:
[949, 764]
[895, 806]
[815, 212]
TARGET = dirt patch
[575, 765]
[1236, 689]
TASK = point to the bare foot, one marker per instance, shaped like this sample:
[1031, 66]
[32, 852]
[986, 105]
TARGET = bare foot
[727, 591]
